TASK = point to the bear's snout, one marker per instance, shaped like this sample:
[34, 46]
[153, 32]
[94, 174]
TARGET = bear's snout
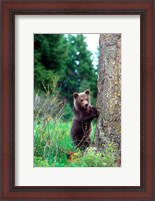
[85, 105]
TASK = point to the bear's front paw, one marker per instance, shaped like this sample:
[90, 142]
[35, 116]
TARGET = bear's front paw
[95, 112]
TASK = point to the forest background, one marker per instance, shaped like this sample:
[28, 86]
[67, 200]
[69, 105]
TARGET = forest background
[64, 60]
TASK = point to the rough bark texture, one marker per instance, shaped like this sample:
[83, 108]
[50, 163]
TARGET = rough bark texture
[108, 130]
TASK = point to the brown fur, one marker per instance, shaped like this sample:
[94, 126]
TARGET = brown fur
[84, 113]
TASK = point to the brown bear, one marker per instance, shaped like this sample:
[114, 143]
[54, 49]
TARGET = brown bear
[84, 113]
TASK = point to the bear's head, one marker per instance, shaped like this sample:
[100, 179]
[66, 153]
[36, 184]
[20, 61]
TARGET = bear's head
[81, 100]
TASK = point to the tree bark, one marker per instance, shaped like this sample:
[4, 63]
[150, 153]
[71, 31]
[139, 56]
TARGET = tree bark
[108, 131]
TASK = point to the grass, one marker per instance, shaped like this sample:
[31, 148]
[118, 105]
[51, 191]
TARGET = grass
[53, 146]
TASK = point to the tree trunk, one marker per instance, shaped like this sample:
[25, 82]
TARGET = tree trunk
[108, 131]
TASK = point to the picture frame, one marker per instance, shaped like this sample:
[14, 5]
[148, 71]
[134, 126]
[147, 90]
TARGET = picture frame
[7, 139]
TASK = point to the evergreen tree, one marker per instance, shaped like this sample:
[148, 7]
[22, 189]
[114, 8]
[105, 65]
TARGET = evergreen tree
[49, 59]
[79, 72]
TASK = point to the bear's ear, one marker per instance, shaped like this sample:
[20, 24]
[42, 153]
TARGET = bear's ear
[87, 92]
[75, 95]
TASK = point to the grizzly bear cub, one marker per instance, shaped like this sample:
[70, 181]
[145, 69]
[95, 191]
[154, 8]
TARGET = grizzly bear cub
[84, 113]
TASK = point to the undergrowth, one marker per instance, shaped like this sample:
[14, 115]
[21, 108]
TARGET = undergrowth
[53, 145]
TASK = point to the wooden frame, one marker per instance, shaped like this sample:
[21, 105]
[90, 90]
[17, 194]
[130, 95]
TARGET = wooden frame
[7, 143]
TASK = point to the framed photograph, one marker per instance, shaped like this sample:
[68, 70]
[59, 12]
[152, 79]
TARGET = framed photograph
[77, 100]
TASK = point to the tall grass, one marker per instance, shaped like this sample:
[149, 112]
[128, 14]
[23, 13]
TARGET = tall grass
[53, 145]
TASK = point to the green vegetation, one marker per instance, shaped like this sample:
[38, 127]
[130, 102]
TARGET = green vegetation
[53, 145]
[64, 59]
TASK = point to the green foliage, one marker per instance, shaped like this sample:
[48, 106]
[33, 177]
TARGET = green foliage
[49, 58]
[53, 145]
[68, 112]
[53, 142]
[65, 57]
[93, 158]
[80, 73]
[39, 162]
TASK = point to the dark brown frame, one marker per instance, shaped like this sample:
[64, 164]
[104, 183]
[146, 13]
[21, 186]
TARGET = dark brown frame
[7, 99]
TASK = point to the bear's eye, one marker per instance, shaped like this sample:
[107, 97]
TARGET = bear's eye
[86, 99]
[81, 100]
